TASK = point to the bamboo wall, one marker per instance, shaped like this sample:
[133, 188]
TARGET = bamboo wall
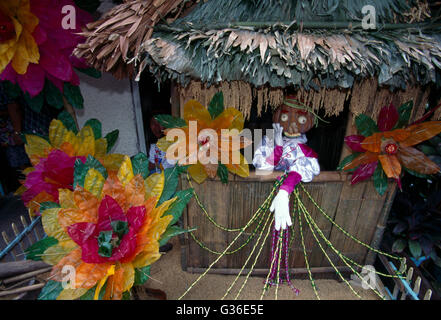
[358, 209]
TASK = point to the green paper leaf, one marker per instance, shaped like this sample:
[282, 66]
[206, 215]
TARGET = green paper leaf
[126, 295]
[105, 248]
[171, 179]
[140, 164]
[222, 172]
[427, 150]
[35, 251]
[415, 248]
[417, 174]
[216, 105]
[53, 95]
[404, 111]
[141, 275]
[177, 207]
[68, 121]
[90, 294]
[73, 95]
[12, 90]
[48, 205]
[51, 290]
[111, 138]
[365, 125]
[399, 245]
[91, 72]
[168, 121]
[172, 232]
[120, 227]
[347, 160]
[35, 103]
[81, 169]
[380, 180]
[96, 127]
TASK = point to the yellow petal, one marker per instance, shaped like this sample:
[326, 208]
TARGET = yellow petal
[230, 118]
[51, 226]
[110, 272]
[159, 211]
[57, 132]
[163, 144]
[125, 172]
[197, 172]
[94, 182]
[147, 257]
[113, 161]
[194, 111]
[129, 276]
[154, 185]
[27, 52]
[159, 228]
[242, 169]
[71, 294]
[66, 198]
[87, 142]
[54, 254]
[36, 147]
[100, 148]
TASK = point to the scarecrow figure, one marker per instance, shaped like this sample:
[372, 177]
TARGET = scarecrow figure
[288, 152]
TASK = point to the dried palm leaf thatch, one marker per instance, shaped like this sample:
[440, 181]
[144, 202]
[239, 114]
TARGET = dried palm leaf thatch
[237, 94]
[117, 37]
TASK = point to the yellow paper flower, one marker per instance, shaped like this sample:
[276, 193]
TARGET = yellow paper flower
[53, 161]
[123, 207]
[21, 49]
[229, 119]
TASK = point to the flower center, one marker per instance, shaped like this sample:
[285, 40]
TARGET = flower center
[391, 148]
[111, 239]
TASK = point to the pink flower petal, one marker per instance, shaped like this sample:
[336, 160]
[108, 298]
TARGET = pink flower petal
[136, 217]
[387, 118]
[81, 232]
[33, 80]
[109, 211]
[364, 171]
[354, 142]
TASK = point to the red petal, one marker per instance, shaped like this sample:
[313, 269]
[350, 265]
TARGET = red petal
[109, 211]
[136, 217]
[387, 118]
[81, 232]
[363, 172]
[126, 247]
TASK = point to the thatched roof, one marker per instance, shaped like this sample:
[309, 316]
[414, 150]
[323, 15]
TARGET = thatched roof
[278, 43]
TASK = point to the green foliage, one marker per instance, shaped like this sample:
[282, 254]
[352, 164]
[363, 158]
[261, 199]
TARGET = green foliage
[35, 251]
[347, 160]
[172, 232]
[51, 290]
[365, 125]
[216, 105]
[53, 95]
[140, 164]
[81, 170]
[141, 275]
[73, 95]
[91, 72]
[222, 172]
[404, 111]
[168, 121]
[12, 89]
[380, 179]
[96, 127]
[48, 205]
[35, 103]
[178, 206]
[90, 294]
[415, 248]
[88, 5]
[68, 121]
[111, 138]
[171, 179]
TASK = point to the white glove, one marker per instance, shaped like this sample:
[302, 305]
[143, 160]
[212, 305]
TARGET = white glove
[278, 130]
[280, 207]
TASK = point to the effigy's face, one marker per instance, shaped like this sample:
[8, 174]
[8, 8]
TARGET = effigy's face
[294, 121]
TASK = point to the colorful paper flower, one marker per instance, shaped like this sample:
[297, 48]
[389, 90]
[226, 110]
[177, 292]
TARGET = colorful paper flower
[388, 147]
[218, 119]
[108, 230]
[42, 48]
[54, 159]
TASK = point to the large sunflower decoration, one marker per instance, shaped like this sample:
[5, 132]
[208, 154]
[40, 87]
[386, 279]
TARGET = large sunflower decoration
[54, 158]
[37, 38]
[226, 157]
[108, 231]
[383, 149]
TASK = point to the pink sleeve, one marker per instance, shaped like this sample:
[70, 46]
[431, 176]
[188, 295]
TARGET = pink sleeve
[274, 158]
[291, 181]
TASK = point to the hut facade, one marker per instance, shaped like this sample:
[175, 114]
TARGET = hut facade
[256, 52]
